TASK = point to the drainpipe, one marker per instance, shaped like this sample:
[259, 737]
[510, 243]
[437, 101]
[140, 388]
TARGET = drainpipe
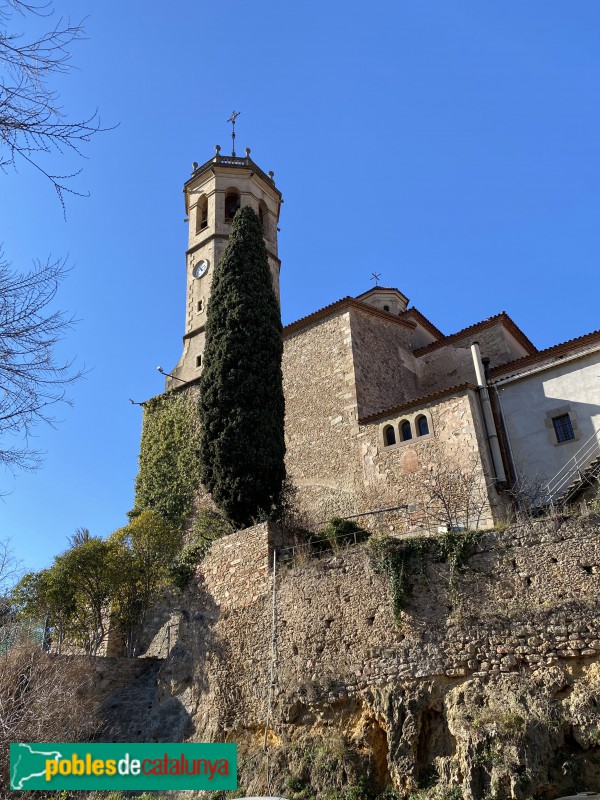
[488, 416]
[503, 437]
[511, 456]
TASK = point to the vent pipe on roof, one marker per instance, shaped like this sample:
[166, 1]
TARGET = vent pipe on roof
[488, 417]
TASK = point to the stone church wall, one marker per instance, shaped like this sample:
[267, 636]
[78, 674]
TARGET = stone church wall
[445, 367]
[495, 343]
[383, 363]
[401, 474]
[340, 467]
[452, 364]
[321, 424]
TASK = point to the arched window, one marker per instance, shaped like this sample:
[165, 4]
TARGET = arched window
[202, 214]
[389, 435]
[232, 203]
[405, 431]
[263, 216]
[422, 426]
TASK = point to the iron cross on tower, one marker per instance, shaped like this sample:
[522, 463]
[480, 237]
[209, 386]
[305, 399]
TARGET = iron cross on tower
[376, 277]
[232, 119]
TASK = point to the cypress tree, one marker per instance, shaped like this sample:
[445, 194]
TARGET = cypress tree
[241, 394]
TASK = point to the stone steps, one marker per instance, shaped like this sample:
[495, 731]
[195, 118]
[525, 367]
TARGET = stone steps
[126, 712]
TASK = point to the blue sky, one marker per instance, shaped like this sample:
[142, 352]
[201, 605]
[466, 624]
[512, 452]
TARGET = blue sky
[452, 147]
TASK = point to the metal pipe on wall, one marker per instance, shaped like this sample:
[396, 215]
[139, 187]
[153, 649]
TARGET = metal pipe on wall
[488, 416]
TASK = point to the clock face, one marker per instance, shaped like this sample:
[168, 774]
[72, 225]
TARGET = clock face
[200, 269]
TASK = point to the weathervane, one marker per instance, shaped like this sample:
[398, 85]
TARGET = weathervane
[376, 276]
[232, 119]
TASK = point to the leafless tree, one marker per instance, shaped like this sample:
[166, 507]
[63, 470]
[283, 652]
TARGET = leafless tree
[528, 494]
[31, 379]
[455, 493]
[43, 698]
[81, 536]
[10, 567]
[32, 122]
[10, 571]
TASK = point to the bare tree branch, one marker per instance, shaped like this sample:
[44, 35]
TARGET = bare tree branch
[455, 493]
[31, 380]
[10, 567]
[32, 122]
[43, 698]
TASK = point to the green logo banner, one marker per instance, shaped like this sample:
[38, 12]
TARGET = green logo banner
[123, 766]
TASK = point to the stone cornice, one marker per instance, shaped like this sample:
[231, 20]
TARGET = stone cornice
[233, 163]
[210, 236]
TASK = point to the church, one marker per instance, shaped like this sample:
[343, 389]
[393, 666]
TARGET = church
[389, 421]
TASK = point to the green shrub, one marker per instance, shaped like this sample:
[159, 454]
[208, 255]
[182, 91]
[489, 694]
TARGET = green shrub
[294, 784]
[338, 533]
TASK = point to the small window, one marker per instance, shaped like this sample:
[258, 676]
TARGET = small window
[232, 203]
[202, 214]
[198, 361]
[389, 435]
[563, 428]
[422, 426]
[405, 431]
[200, 305]
[386, 308]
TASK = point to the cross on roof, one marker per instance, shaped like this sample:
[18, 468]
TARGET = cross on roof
[232, 119]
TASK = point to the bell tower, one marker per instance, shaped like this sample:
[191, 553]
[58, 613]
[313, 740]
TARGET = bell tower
[213, 194]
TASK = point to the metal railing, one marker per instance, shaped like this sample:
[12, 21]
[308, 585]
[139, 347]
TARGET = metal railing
[13, 634]
[318, 548]
[574, 469]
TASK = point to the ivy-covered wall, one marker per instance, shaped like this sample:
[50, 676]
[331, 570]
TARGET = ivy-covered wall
[168, 477]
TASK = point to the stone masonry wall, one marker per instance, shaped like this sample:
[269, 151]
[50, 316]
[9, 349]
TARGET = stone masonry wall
[400, 473]
[237, 568]
[321, 420]
[340, 467]
[220, 666]
[528, 599]
[452, 364]
[384, 365]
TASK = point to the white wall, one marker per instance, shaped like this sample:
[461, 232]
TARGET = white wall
[529, 402]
